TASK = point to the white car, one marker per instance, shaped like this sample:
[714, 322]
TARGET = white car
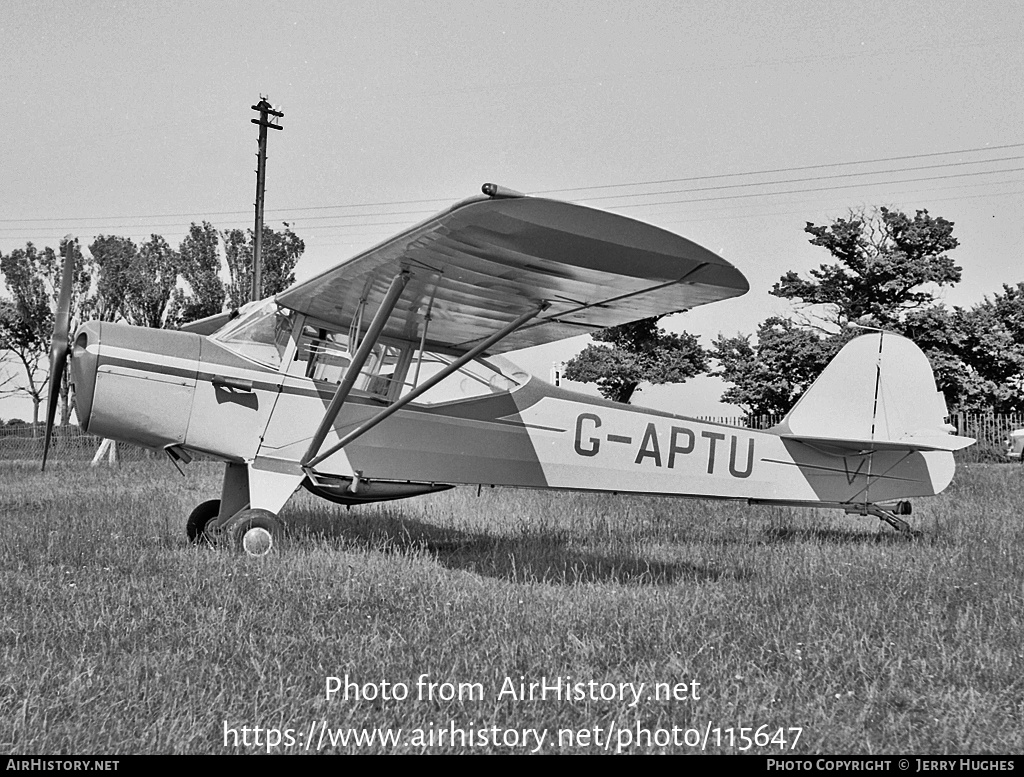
[1015, 445]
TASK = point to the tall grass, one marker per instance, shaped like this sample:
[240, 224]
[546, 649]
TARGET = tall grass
[118, 637]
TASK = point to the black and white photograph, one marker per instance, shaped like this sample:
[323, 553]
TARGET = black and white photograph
[405, 377]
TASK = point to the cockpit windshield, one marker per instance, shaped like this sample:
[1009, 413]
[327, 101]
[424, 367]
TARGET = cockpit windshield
[260, 333]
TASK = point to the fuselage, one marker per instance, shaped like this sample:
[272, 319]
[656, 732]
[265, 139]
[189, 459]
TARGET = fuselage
[487, 424]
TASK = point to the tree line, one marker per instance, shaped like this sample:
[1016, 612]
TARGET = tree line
[886, 271]
[152, 285]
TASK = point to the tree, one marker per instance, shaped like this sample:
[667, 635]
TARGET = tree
[977, 353]
[770, 374]
[637, 352]
[25, 273]
[114, 258]
[199, 264]
[885, 274]
[886, 261]
[153, 281]
[281, 252]
[23, 345]
[992, 347]
[33, 278]
[134, 284]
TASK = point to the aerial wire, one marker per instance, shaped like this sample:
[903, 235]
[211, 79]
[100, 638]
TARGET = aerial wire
[577, 189]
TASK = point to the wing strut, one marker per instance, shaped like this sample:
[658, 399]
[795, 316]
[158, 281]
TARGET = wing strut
[380, 318]
[309, 461]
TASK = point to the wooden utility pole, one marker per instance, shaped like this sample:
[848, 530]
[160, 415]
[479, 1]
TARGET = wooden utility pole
[265, 110]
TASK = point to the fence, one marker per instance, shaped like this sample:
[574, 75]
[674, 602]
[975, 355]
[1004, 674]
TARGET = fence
[991, 430]
[69, 442]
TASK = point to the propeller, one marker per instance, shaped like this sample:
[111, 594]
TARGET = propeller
[59, 345]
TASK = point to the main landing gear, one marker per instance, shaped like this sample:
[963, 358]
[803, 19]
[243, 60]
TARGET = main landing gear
[252, 531]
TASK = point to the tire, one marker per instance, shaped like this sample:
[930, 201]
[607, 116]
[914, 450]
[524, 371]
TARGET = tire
[195, 526]
[255, 532]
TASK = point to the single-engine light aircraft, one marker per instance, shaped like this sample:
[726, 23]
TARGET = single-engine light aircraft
[383, 378]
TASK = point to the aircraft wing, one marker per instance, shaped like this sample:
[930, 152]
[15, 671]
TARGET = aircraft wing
[487, 260]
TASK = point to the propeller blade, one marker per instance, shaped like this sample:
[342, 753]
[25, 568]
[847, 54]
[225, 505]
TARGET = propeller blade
[59, 345]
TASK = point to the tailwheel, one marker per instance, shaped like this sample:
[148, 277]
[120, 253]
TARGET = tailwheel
[897, 523]
[254, 531]
[198, 519]
[891, 517]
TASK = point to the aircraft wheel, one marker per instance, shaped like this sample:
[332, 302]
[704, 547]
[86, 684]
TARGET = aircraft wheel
[195, 526]
[255, 532]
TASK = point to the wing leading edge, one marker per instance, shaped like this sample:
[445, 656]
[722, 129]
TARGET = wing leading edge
[486, 261]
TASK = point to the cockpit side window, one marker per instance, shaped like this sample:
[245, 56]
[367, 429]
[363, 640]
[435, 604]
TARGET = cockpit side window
[325, 356]
[394, 368]
[477, 378]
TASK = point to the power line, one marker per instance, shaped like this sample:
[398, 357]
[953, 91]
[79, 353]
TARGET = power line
[363, 224]
[376, 234]
[817, 200]
[622, 206]
[812, 178]
[348, 239]
[730, 212]
[194, 215]
[821, 188]
[793, 169]
[363, 239]
[391, 203]
[744, 215]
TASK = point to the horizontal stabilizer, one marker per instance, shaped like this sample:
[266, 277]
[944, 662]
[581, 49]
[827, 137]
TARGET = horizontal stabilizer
[945, 442]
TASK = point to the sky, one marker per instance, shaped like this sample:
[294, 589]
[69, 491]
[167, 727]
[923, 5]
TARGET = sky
[732, 124]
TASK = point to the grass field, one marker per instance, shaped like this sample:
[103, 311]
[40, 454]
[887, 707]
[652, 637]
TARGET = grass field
[118, 637]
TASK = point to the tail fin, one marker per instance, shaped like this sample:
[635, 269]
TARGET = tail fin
[878, 393]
